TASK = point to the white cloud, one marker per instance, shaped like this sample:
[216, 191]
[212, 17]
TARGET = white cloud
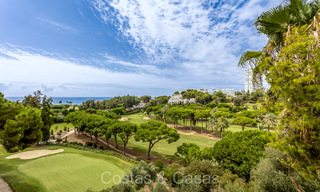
[201, 42]
[29, 72]
[57, 25]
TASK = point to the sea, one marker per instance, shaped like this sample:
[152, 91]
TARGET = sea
[74, 100]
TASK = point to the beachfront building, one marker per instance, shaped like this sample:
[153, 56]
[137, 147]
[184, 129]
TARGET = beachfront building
[140, 105]
[228, 92]
[178, 100]
[250, 85]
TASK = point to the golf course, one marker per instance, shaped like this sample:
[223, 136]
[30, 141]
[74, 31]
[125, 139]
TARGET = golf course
[70, 170]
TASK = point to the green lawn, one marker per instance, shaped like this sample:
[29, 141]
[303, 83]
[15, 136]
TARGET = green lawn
[235, 128]
[137, 118]
[163, 149]
[250, 105]
[72, 170]
[166, 150]
[61, 126]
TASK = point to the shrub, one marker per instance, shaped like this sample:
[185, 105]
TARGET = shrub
[101, 148]
[240, 151]
[88, 144]
[261, 127]
[211, 105]
[223, 105]
[138, 159]
[169, 173]
[272, 175]
[159, 164]
[160, 188]
[58, 140]
[143, 172]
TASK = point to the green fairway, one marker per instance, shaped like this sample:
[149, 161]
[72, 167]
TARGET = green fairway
[72, 170]
[137, 118]
[163, 149]
[61, 126]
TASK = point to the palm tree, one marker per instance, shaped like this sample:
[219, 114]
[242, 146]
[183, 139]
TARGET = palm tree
[270, 120]
[251, 59]
[164, 110]
[212, 125]
[274, 23]
[222, 124]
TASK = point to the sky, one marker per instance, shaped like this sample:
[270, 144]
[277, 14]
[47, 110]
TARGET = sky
[105, 48]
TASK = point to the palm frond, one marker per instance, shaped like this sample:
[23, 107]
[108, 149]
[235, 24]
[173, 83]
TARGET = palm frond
[249, 58]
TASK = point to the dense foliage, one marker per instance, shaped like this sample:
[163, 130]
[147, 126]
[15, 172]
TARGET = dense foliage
[20, 127]
[240, 151]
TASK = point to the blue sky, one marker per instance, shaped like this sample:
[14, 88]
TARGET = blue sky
[118, 47]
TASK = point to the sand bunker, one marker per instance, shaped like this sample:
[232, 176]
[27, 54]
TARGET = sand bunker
[146, 118]
[186, 132]
[124, 119]
[34, 154]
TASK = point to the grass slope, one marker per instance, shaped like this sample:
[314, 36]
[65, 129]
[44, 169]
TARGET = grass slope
[72, 170]
[163, 149]
[60, 126]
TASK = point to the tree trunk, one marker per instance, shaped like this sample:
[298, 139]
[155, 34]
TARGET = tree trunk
[90, 136]
[242, 127]
[124, 148]
[190, 125]
[107, 143]
[75, 131]
[149, 150]
[294, 183]
[96, 136]
[220, 132]
[201, 127]
[115, 138]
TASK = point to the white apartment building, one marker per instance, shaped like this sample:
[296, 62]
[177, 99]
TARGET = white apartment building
[228, 92]
[249, 85]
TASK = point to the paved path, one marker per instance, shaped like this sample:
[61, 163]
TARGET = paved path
[69, 133]
[4, 187]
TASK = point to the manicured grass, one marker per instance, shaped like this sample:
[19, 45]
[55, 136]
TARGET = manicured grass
[72, 170]
[163, 149]
[235, 128]
[137, 118]
[250, 105]
[61, 126]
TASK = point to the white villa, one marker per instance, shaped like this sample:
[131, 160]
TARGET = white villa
[177, 100]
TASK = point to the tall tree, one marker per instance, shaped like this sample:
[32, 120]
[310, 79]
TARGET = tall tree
[222, 124]
[47, 117]
[153, 132]
[23, 131]
[33, 100]
[243, 121]
[269, 120]
[127, 131]
[115, 130]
